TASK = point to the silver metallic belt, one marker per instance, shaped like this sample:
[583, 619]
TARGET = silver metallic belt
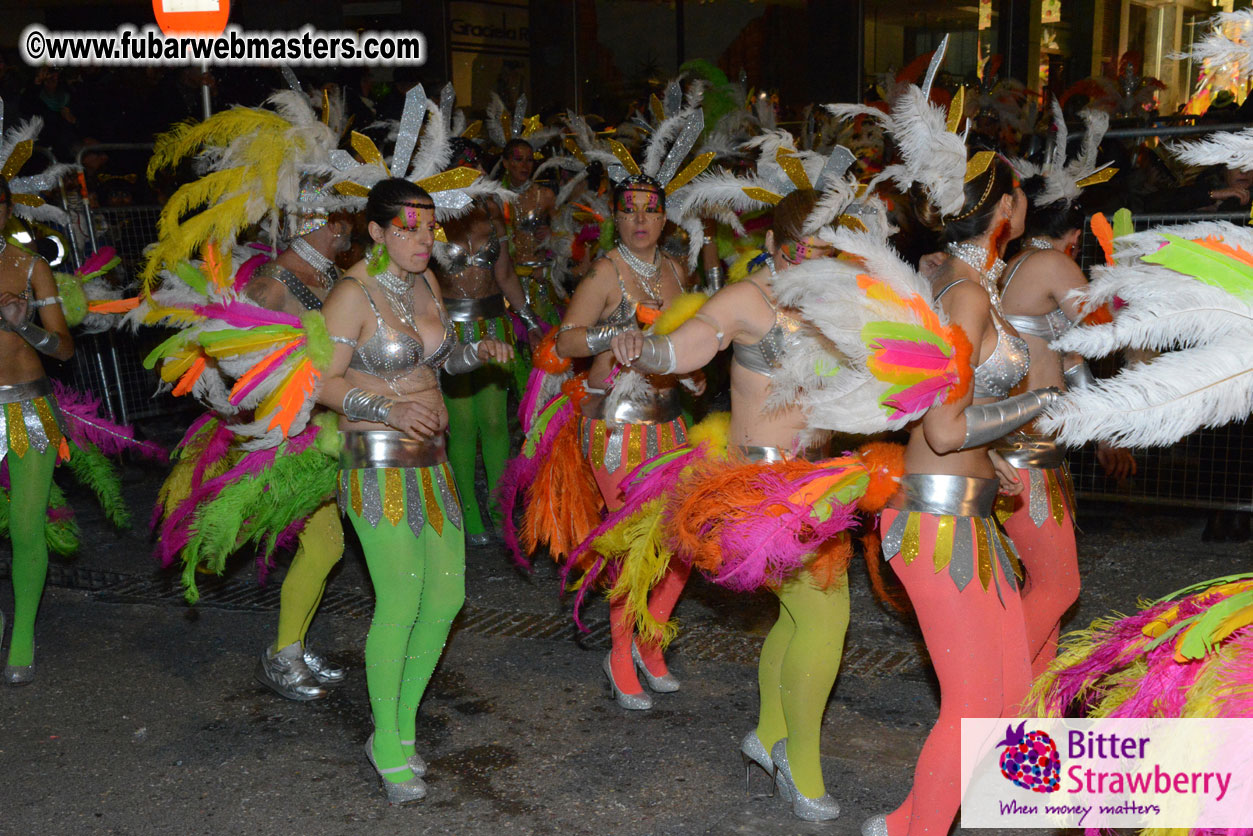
[388, 448]
[1031, 450]
[475, 310]
[660, 407]
[17, 392]
[946, 495]
[770, 455]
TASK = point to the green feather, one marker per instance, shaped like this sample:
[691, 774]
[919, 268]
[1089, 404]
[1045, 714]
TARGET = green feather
[94, 470]
[318, 340]
[1205, 265]
[73, 302]
[1122, 224]
[193, 277]
[167, 347]
[884, 330]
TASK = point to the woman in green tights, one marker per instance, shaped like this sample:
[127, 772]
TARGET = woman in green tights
[392, 338]
[801, 654]
[31, 432]
[477, 278]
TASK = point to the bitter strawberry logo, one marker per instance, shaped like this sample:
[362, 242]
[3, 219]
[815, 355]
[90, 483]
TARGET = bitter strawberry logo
[1030, 759]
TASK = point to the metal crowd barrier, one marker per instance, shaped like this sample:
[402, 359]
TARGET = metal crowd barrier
[1211, 468]
[110, 365]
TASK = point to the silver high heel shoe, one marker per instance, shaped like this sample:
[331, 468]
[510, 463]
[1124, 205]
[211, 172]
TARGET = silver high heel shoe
[17, 674]
[753, 751]
[286, 674]
[803, 807]
[875, 826]
[415, 760]
[661, 684]
[397, 793]
[323, 671]
[631, 702]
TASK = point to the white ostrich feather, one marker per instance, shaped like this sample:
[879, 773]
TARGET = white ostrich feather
[836, 198]
[628, 387]
[1139, 244]
[714, 189]
[660, 142]
[1162, 400]
[1229, 42]
[1061, 179]
[434, 147]
[568, 190]
[1233, 149]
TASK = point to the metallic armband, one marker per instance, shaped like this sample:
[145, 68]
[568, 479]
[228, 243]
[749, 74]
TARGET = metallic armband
[599, 336]
[988, 422]
[714, 277]
[1079, 376]
[45, 342]
[465, 359]
[360, 405]
[529, 319]
[657, 355]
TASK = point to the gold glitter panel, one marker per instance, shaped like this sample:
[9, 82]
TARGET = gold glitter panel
[689, 172]
[983, 551]
[1012, 553]
[19, 442]
[393, 495]
[624, 156]
[598, 444]
[792, 168]
[20, 154]
[763, 195]
[635, 445]
[943, 542]
[1056, 508]
[354, 492]
[910, 542]
[665, 437]
[457, 178]
[433, 514]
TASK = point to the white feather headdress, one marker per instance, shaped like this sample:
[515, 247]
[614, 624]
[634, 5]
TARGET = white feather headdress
[1062, 180]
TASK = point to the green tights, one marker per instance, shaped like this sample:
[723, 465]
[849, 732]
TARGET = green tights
[478, 413]
[321, 547]
[30, 477]
[419, 587]
[799, 661]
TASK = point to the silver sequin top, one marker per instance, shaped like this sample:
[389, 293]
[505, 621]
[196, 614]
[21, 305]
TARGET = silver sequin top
[1047, 326]
[458, 260]
[390, 354]
[765, 355]
[1005, 366]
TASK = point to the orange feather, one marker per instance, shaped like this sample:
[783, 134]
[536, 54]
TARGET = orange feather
[1104, 235]
[190, 377]
[113, 306]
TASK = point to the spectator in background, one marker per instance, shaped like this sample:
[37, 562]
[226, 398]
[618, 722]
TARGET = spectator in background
[49, 99]
[1218, 189]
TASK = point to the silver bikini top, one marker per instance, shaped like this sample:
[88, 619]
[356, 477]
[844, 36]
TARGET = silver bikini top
[458, 260]
[1047, 326]
[1005, 366]
[532, 221]
[765, 355]
[390, 354]
[624, 314]
[32, 304]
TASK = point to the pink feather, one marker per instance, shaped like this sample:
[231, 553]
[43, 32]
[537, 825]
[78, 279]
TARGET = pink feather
[85, 426]
[96, 261]
[244, 315]
[909, 354]
[918, 398]
[246, 271]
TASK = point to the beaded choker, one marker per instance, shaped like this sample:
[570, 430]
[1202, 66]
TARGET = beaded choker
[976, 257]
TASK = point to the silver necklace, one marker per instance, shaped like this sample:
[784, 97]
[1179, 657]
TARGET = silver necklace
[1040, 243]
[322, 266]
[975, 257]
[399, 294]
[646, 272]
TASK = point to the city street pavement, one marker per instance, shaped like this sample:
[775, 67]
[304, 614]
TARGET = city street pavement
[145, 717]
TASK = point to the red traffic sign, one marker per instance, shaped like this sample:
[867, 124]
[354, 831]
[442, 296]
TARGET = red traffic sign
[192, 17]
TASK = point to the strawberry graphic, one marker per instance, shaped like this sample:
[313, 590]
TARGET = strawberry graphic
[1030, 760]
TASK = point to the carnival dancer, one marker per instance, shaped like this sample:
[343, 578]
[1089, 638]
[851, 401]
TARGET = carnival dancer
[627, 420]
[1036, 296]
[529, 216]
[801, 653]
[477, 277]
[393, 337]
[957, 566]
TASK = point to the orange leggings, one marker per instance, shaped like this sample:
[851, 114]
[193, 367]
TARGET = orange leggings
[661, 601]
[1051, 560]
[978, 647]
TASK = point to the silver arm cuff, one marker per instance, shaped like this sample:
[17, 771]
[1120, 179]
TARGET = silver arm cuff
[987, 422]
[360, 405]
[1079, 376]
[45, 342]
[657, 355]
[599, 336]
[529, 319]
[714, 277]
[464, 360]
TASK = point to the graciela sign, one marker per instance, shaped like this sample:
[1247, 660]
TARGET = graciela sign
[1123, 773]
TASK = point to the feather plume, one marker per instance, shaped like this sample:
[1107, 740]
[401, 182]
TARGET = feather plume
[1233, 149]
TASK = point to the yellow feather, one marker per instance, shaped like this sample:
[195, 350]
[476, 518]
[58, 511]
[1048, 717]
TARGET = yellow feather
[683, 308]
[716, 430]
[639, 543]
[248, 343]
